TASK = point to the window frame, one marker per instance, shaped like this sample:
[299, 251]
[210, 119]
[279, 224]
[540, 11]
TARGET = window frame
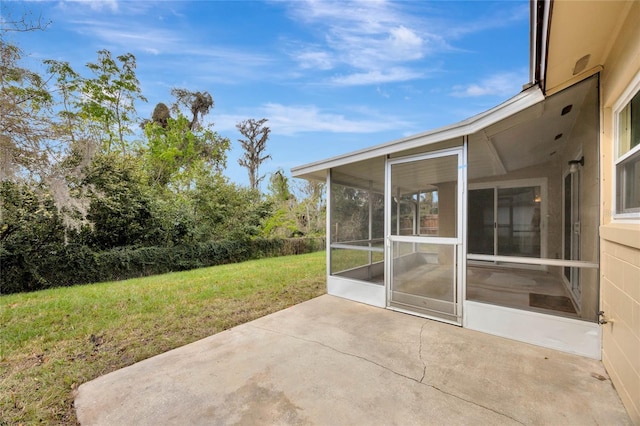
[629, 93]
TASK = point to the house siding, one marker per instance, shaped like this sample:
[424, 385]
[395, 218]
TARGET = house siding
[621, 337]
[620, 241]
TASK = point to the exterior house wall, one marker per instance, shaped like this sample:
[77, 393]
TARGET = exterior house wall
[620, 241]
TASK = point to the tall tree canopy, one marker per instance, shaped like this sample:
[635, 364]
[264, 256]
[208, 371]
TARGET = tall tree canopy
[109, 98]
[81, 173]
[198, 103]
[254, 146]
[25, 119]
[181, 148]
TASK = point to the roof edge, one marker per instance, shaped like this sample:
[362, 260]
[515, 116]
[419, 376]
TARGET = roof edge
[521, 101]
[540, 29]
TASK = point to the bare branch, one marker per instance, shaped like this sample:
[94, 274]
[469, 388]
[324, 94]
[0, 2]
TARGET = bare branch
[27, 22]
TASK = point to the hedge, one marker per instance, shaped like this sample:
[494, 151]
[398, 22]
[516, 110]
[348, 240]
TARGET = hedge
[57, 266]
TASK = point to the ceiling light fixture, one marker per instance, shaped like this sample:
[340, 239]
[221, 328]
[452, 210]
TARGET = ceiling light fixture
[574, 165]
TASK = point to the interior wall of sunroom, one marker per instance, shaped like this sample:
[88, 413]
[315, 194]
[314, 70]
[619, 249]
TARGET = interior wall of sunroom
[532, 154]
[583, 142]
[547, 174]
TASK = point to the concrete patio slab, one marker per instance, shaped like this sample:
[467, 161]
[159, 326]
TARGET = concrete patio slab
[330, 361]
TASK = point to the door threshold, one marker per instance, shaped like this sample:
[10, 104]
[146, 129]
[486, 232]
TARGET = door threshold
[424, 315]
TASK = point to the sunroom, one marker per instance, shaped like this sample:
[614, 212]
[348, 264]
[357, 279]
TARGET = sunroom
[489, 224]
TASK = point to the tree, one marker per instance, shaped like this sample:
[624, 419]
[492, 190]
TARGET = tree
[161, 115]
[180, 148]
[107, 101]
[25, 23]
[224, 210]
[282, 221]
[30, 231]
[312, 207]
[295, 215]
[28, 216]
[256, 134]
[198, 103]
[279, 186]
[94, 117]
[176, 153]
[25, 119]
[121, 209]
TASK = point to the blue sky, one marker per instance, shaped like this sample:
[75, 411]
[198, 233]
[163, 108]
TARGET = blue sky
[331, 77]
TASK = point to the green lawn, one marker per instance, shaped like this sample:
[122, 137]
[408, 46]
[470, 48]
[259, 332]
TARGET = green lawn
[54, 340]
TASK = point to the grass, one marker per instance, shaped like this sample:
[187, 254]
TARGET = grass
[52, 341]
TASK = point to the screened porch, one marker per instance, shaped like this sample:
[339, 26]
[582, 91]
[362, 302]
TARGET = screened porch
[506, 215]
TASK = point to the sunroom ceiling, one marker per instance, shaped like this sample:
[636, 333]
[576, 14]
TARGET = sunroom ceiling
[367, 174]
[531, 137]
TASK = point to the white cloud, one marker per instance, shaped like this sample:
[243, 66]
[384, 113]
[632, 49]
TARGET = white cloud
[382, 93]
[294, 119]
[502, 84]
[497, 18]
[365, 38]
[140, 38]
[376, 77]
[315, 59]
[162, 41]
[95, 5]
[405, 42]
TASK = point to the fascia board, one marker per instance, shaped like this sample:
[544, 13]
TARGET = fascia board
[469, 126]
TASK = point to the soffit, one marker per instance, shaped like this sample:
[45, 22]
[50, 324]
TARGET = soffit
[580, 28]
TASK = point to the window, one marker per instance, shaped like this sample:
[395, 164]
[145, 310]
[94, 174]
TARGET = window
[506, 219]
[627, 164]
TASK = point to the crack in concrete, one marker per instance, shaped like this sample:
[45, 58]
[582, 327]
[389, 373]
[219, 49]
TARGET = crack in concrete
[339, 351]
[420, 382]
[424, 364]
[424, 373]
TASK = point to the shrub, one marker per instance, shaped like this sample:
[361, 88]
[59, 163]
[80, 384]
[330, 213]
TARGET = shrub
[77, 264]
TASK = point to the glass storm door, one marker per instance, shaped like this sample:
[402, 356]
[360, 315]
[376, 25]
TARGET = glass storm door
[424, 238]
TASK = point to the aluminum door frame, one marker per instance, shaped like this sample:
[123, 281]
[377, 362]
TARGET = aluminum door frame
[460, 240]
